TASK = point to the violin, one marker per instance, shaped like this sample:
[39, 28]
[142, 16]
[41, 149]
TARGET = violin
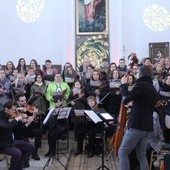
[30, 108]
[16, 114]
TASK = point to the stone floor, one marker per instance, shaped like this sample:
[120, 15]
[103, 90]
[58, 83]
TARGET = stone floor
[67, 161]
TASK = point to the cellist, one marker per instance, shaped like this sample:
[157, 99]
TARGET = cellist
[140, 124]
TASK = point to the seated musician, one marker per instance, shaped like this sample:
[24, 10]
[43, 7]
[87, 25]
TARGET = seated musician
[92, 128]
[19, 150]
[78, 103]
[97, 88]
[33, 129]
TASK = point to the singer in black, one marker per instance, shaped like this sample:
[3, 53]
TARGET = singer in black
[140, 124]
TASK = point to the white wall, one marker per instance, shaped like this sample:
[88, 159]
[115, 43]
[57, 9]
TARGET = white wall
[53, 35]
[50, 37]
[136, 36]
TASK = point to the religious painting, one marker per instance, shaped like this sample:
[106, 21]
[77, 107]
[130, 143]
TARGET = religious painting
[157, 50]
[91, 17]
[93, 47]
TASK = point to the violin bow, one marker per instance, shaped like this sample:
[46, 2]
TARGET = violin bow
[101, 100]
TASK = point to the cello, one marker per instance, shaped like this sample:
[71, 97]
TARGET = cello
[117, 137]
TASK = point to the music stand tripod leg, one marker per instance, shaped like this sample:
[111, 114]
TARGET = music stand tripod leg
[48, 161]
[103, 166]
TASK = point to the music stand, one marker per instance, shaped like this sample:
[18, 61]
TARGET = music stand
[61, 113]
[104, 118]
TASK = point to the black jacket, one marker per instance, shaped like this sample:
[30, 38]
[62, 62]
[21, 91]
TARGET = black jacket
[6, 127]
[144, 97]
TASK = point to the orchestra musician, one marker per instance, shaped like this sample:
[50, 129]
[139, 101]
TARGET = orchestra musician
[33, 129]
[78, 102]
[19, 150]
[57, 128]
[93, 128]
[140, 124]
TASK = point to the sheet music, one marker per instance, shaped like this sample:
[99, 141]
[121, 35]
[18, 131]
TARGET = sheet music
[48, 116]
[79, 112]
[93, 116]
[64, 113]
[107, 116]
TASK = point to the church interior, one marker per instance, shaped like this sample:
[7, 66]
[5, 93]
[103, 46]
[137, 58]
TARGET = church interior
[84, 37]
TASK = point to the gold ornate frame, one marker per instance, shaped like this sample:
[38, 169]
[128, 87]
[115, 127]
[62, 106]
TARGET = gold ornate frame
[93, 25]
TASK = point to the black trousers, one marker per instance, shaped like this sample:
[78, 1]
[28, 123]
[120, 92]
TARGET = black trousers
[20, 153]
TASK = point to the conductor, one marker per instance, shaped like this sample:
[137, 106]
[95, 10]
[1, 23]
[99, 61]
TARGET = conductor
[140, 124]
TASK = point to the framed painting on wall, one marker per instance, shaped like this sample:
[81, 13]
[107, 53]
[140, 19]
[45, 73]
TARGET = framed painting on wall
[95, 48]
[157, 50]
[91, 17]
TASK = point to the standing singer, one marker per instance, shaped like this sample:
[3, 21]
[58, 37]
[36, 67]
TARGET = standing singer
[140, 124]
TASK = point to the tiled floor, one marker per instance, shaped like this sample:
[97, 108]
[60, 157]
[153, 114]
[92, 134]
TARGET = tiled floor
[80, 162]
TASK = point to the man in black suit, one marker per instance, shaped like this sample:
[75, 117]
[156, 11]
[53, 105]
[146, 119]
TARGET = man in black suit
[19, 150]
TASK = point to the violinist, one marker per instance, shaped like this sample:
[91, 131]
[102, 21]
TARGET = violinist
[33, 129]
[93, 128]
[57, 128]
[19, 150]
[79, 120]
[140, 124]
